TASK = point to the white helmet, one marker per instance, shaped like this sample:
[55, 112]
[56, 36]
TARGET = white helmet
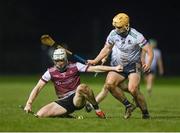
[59, 54]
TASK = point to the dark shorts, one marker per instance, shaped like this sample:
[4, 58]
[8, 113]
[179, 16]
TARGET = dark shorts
[131, 68]
[152, 71]
[67, 103]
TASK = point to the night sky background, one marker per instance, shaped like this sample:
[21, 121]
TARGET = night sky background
[83, 25]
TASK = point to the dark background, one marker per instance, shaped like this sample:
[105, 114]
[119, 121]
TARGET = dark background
[83, 25]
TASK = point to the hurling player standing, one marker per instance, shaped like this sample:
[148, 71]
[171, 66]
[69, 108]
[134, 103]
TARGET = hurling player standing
[128, 43]
[157, 66]
[72, 95]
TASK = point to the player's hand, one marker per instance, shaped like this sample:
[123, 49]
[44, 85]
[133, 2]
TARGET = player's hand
[146, 68]
[91, 62]
[28, 108]
[103, 60]
[119, 68]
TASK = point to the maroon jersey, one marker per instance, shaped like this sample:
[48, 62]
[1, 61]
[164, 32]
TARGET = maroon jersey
[65, 83]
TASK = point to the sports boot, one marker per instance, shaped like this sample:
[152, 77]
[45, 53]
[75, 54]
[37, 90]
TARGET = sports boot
[88, 107]
[146, 116]
[128, 111]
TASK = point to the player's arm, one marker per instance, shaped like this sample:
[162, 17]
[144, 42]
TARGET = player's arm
[160, 66]
[100, 68]
[34, 93]
[149, 51]
[104, 59]
[103, 53]
[143, 55]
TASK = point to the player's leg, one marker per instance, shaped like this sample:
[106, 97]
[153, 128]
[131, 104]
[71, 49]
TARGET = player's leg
[150, 81]
[133, 86]
[99, 98]
[112, 81]
[51, 110]
[124, 86]
[104, 92]
[83, 94]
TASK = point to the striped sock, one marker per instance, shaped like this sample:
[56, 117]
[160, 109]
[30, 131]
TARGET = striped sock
[127, 103]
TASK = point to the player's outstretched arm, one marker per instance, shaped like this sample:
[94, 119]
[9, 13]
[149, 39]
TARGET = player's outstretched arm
[100, 68]
[33, 95]
[148, 49]
[103, 53]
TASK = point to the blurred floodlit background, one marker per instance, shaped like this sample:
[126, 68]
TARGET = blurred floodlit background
[83, 25]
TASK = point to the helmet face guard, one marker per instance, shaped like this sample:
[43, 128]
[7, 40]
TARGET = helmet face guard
[60, 59]
[59, 54]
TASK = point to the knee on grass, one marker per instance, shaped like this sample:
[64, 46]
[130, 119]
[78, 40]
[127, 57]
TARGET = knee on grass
[40, 115]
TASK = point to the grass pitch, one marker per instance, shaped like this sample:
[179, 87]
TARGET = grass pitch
[163, 106]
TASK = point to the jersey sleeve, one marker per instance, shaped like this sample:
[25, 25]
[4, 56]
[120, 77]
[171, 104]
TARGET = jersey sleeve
[109, 39]
[81, 67]
[46, 76]
[141, 40]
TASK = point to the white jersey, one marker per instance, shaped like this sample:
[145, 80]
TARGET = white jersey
[157, 56]
[126, 50]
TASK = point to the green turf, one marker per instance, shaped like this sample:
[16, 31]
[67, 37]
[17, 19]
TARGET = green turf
[163, 105]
